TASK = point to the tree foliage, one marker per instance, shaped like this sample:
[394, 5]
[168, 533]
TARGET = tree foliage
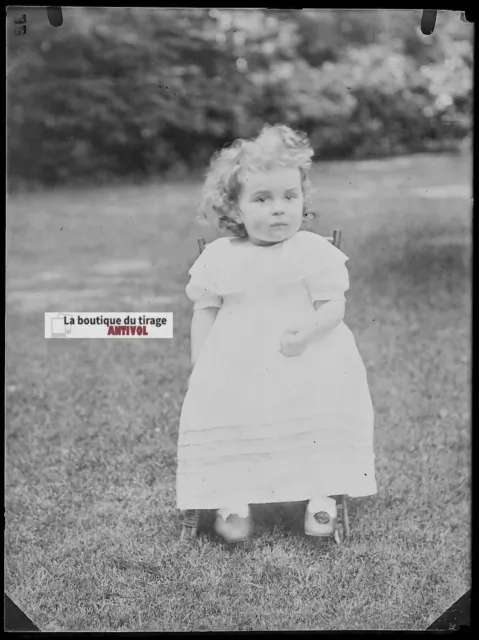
[117, 93]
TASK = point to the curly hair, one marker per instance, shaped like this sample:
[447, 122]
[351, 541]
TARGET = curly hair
[275, 146]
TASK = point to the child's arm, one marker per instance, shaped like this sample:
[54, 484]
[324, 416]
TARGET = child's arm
[201, 323]
[326, 288]
[329, 314]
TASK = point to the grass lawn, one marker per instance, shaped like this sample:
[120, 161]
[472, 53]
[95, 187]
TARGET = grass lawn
[91, 524]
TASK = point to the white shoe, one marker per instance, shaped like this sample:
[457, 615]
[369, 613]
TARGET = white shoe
[234, 525]
[321, 518]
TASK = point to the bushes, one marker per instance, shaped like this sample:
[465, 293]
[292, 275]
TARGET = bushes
[374, 102]
[132, 93]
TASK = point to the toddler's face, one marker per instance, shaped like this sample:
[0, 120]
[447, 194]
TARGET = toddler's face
[271, 204]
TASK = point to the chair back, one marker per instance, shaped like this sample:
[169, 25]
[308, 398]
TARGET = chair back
[335, 240]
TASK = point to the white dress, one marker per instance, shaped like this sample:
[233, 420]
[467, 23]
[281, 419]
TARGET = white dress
[257, 426]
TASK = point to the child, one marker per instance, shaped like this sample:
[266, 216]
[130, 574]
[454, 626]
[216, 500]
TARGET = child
[278, 407]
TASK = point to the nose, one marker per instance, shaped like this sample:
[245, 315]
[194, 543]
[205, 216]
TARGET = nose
[278, 210]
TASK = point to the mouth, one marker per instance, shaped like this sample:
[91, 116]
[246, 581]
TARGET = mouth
[280, 224]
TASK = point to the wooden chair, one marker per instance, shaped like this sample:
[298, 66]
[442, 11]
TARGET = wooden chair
[191, 517]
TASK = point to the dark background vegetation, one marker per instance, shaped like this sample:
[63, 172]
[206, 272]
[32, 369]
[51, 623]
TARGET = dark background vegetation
[132, 93]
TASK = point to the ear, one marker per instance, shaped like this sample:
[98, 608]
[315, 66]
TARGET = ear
[310, 215]
[309, 220]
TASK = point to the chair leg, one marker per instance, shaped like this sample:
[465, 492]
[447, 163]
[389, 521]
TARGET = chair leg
[190, 524]
[342, 528]
[344, 501]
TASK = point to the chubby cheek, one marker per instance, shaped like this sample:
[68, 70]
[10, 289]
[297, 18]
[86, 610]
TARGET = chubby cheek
[297, 214]
[252, 218]
[255, 225]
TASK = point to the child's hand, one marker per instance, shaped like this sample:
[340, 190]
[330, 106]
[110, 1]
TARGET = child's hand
[294, 341]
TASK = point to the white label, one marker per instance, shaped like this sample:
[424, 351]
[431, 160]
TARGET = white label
[103, 324]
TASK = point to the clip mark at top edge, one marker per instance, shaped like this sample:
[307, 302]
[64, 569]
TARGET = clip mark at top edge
[55, 16]
[428, 21]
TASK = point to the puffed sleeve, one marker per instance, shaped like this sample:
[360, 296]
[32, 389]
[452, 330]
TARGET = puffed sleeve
[201, 289]
[331, 280]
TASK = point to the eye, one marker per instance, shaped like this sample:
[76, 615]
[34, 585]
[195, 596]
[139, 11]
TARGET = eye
[291, 196]
[260, 199]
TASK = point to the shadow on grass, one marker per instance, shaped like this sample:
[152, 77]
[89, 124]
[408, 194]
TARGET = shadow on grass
[284, 517]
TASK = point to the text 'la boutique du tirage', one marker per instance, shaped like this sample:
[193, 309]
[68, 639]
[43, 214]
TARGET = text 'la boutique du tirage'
[100, 320]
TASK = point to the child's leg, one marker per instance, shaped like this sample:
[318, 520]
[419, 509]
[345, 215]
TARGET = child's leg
[241, 510]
